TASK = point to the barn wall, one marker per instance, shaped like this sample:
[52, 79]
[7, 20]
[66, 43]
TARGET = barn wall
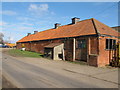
[96, 54]
[68, 47]
[105, 56]
[93, 51]
[18, 46]
[81, 53]
[39, 46]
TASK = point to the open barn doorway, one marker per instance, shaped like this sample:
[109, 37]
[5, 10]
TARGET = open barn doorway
[54, 51]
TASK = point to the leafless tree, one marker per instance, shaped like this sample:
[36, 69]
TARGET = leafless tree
[1, 38]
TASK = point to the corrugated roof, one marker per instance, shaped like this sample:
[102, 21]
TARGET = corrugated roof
[85, 27]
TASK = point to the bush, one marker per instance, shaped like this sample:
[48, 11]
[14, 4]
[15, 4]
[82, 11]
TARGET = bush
[115, 62]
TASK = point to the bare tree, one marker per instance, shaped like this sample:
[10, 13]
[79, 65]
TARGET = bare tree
[1, 38]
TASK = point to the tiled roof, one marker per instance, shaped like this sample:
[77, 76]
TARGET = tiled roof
[11, 44]
[117, 28]
[85, 27]
[104, 29]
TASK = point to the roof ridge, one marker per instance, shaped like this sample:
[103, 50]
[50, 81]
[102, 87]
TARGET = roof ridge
[104, 24]
[94, 24]
[62, 26]
[84, 27]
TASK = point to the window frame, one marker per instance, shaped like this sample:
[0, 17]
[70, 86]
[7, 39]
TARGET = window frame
[78, 44]
[109, 46]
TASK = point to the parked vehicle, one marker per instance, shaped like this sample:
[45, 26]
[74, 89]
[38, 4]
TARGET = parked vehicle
[4, 46]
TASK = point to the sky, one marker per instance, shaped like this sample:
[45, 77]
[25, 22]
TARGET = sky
[20, 18]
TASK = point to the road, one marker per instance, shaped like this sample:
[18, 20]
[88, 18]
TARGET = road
[41, 73]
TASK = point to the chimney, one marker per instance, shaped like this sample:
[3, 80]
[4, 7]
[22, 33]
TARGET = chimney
[57, 25]
[75, 20]
[28, 34]
[35, 32]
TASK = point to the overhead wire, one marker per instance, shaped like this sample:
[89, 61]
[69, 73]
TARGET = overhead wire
[108, 8]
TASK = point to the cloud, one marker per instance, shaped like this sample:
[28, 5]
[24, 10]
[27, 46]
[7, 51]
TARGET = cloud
[52, 13]
[16, 31]
[25, 19]
[7, 12]
[10, 37]
[2, 23]
[27, 24]
[18, 27]
[40, 9]
[25, 28]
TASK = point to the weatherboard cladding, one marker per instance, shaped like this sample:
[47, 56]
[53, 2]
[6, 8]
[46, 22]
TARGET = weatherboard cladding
[81, 28]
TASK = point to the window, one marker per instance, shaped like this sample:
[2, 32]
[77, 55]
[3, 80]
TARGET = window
[114, 44]
[81, 43]
[110, 44]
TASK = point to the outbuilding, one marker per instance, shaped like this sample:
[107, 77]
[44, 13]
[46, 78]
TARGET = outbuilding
[88, 40]
[54, 51]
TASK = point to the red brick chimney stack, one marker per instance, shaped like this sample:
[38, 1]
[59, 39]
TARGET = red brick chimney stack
[28, 34]
[35, 32]
[75, 20]
[57, 25]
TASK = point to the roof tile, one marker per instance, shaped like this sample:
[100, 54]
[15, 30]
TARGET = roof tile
[81, 28]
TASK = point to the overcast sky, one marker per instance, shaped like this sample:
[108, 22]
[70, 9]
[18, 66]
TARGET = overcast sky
[20, 18]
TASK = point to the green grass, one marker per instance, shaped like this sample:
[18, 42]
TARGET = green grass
[19, 53]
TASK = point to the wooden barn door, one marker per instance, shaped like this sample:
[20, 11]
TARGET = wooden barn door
[81, 50]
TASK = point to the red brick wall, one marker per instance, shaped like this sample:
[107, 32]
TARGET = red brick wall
[39, 47]
[18, 46]
[93, 51]
[93, 60]
[36, 46]
[104, 55]
[27, 45]
[93, 45]
[68, 46]
[97, 55]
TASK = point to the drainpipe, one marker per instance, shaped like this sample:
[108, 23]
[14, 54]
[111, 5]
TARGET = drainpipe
[73, 49]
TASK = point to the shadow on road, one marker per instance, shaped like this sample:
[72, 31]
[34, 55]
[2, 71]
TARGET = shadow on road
[7, 84]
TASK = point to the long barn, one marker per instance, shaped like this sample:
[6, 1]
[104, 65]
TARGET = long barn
[88, 40]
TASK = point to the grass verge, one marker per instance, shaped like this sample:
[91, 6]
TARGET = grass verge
[19, 53]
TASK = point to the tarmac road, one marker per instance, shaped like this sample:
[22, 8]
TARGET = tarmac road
[23, 74]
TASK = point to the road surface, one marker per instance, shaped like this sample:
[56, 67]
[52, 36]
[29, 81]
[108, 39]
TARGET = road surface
[41, 73]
